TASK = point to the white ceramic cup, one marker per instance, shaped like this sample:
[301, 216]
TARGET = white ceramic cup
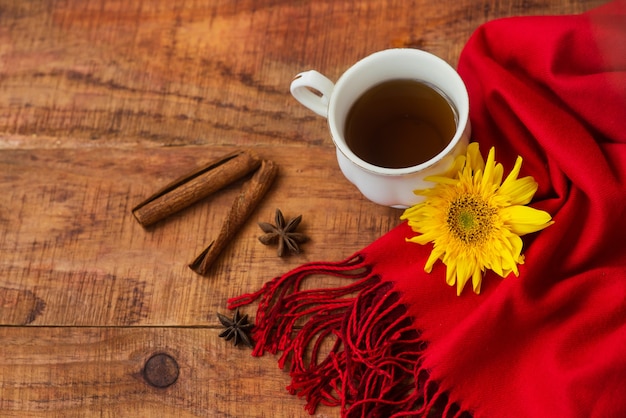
[385, 186]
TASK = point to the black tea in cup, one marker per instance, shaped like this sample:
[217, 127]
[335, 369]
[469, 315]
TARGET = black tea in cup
[400, 123]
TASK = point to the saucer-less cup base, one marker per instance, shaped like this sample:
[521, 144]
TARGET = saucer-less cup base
[385, 186]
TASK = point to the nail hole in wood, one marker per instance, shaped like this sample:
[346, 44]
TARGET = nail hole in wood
[161, 370]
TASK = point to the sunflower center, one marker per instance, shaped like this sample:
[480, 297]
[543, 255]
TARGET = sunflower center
[470, 219]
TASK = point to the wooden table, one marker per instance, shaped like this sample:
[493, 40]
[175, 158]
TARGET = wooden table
[104, 101]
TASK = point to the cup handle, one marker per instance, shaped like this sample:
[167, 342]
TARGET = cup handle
[303, 89]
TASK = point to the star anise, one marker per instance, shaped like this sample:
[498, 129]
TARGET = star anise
[237, 328]
[284, 233]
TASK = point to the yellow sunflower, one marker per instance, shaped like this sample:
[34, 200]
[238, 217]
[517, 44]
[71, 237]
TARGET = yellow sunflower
[475, 220]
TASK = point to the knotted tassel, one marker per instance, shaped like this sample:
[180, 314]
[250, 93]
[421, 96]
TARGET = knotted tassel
[352, 346]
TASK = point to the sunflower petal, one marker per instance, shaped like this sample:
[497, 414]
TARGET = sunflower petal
[498, 172]
[451, 274]
[474, 159]
[456, 167]
[435, 254]
[515, 171]
[496, 265]
[424, 238]
[523, 220]
[519, 191]
[460, 284]
[477, 278]
[490, 165]
[465, 270]
[441, 180]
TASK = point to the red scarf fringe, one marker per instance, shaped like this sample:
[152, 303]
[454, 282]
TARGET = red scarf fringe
[374, 365]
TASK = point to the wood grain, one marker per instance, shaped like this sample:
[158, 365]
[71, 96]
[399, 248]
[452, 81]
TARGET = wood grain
[71, 241]
[77, 372]
[102, 102]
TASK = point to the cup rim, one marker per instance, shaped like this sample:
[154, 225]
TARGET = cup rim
[386, 171]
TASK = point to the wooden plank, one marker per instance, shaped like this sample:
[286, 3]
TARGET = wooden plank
[73, 254]
[188, 72]
[85, 372]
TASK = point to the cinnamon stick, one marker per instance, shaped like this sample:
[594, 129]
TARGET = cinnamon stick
[243, 206]
[195, 186]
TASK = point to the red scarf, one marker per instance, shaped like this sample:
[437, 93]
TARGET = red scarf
[549, 343]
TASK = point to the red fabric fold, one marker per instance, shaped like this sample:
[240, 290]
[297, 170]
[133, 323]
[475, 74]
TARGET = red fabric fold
[549, 343]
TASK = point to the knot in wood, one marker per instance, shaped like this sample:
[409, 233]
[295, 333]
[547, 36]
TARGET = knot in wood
[161, 370]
